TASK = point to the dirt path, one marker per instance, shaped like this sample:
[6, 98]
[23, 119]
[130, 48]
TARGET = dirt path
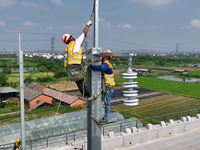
[11, 113]
[68, 85]
[63, 85]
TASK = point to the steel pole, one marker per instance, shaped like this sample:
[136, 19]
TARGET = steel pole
[94, 84]
[21, 94]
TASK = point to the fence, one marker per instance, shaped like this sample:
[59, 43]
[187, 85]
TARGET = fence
[71, 137]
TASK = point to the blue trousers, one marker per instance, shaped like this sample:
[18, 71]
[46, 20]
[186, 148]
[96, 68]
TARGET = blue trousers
[107, 98]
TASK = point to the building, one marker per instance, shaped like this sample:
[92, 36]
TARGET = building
[197, 65]
[37, 95]
[33, 97]
[7, 92]
[65, 98]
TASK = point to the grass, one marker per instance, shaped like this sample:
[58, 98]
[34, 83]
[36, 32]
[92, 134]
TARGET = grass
[14, 77]
[160, 105]
[185, 88]
[157, 106]
[194, 73]
[186, 97]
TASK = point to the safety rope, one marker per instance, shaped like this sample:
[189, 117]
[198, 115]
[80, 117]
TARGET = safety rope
[55, 114]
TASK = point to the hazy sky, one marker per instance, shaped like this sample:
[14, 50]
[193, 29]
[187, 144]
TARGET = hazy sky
[123, 24]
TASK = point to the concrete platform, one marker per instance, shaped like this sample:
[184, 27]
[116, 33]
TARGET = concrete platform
[189, 140]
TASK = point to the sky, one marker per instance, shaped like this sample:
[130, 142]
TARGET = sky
[124, 25]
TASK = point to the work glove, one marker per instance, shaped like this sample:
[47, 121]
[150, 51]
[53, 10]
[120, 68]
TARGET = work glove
[90, 22]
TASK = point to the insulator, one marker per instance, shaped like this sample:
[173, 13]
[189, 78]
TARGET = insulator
[130, 93]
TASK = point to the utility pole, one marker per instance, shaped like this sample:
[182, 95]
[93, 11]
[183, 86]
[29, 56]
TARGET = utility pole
[52, 45]
[21, 94]
[94, 84]
[177, 48]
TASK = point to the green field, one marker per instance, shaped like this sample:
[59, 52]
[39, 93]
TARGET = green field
[14, 77]
[186, 97]
[185, 88]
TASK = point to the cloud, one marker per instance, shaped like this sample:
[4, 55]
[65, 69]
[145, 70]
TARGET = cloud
[30, 4]
[67, 27]
[127, 26]
[57, 2]
[49, 28]
[13, 18]
[154, 2]
[30, 24]
[2, 24]
[104, 22]
[195, 23]
[7, 3]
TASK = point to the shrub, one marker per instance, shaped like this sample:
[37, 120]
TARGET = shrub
[2, 105]
[28, 80]
[45, 79]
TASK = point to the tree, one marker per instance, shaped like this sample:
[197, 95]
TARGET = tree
[60, 73]
[3, 81]
[6, 70]
[28, 80]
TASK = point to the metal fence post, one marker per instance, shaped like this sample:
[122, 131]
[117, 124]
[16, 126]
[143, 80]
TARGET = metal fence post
[177, 116]
[120, 127]
[47, 141]
[74, 136]
[136, 124]
[151, 120]
[66, 140]
[103, 130]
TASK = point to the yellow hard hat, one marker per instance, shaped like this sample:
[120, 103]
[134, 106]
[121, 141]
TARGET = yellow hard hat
[65, 37]
[108, 51]
[18, 140]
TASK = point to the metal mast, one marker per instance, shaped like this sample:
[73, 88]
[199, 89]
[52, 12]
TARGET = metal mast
[94, 84]
[177, 48]
[21, 93]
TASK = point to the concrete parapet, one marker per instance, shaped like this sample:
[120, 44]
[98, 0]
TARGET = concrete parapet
[183, 119]
[64, 147]
[149, 126]
[134, 130]
[111, 134]
[128, 131]
[188, 118]
[169, 130]
[132, 136]
[171, 121]
[139, 137]
[112, 143]
[198, 116]
[163, 124]
[151, 132]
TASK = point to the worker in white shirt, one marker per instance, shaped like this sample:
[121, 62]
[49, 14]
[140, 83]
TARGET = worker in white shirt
[73, 58]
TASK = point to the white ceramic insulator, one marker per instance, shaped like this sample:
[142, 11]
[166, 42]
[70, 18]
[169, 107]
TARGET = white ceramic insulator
[130, 93]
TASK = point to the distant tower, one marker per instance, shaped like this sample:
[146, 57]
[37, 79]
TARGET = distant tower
[177, 48]
[52, 45]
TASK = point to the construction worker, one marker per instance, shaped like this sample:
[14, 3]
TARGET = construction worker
[107, 69]
[17, 144]
[73, 58]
